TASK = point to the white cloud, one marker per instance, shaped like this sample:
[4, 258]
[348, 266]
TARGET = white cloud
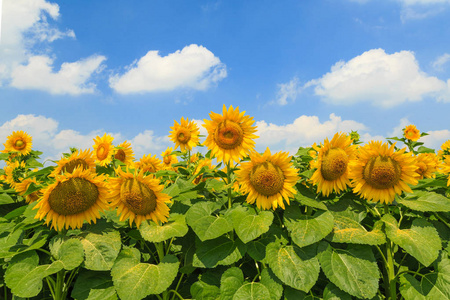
[72, 78]
[379, 78]
[25, 23]
[193, 67]
[288, 91]
[435, 138]
[439, 63]
[148, 143]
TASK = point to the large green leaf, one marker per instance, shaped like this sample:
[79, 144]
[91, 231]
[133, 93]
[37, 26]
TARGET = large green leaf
[220, 251]
[332, 292]
[272, 283]
[5, 199]
[426, 201]
[308, 198]
[294, 266]
[101, 249]
[203, 291]
[94, 285]
[435, 285]
[353, 270]
[248, 224]
[347, 230]
[8, 242]
[231, 280]
[421, 240]
[306, 230]
[206, 226]
[135, 280]
[252, 291]
[67, 250]
[155, 233]
[24, 274]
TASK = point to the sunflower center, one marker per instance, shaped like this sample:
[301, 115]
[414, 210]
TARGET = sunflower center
[138, 197]
[120, 155]
[334, 164]
[167, 159]
[228, 135]
[382, 172]
[19, 145]
[267, 179]
[183, 135]
[102, 152]
[421, 168]
[73, 196]
[71, 165]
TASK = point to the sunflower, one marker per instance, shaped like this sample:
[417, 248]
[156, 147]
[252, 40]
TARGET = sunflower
[184, 134]
[149, 163]
[207, 163]
[445, 168]
[194, 158]
[268, 179]
[332, 164]
[168, 159]
[79, 158]
[14, 172]
[18, 141]
[73, 198]
[411, 133]
[380, 172]
[230, 135]
[427, 165]
[138, 197]
[103, 149]
[23, 186]
[124, 153]
[445, 150]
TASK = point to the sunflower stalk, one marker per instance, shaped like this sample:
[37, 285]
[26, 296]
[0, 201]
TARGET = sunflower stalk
[391, 285]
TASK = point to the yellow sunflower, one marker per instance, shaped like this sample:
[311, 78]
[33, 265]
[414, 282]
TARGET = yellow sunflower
[230, 135]
[411, 133]
[168, 159]
[332, 164]
[138, 197]
[427, 165]
[14, 172]
[194, 158]
[72, 199]
[124, 153]
[18, 141]
[380, 172]
[22, 187]
[184, 134]
[445, 168]
[149, 163]
[445, 150]
[202, 163]
[103, 149]
[79, 158]
[268, 179]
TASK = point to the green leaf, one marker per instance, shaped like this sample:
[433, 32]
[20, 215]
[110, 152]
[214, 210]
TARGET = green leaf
[5, 199]
[248, 224]
[24, 274]
[231, 280]
[347, 230]
[94, 285]
[293, 294]
[421, 240]
[296, 267]
[252, 291]
[135, 280]
[353, 270]
[203, 291]
[423, 149]
[308, 198]
[306, 230]
[426, 201]
[155, 233]
[67, 250]
[8, 241]
[206, 226]
[220, 251]
[332, 292]
[272, 283]
[101, 250]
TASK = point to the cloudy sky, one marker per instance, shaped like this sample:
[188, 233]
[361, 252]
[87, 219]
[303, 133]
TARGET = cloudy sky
[72, 70]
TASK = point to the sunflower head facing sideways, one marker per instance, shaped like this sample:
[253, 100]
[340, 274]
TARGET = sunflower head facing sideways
[268, 179]
[379, 173]
[15, 172]
[18, 141]
[427, 165]
[79, 158]
[124, 153]
[230, 135]
[23, 186]
[103, 149]
[168, 159]
[331, 164]
[138, 197]
[411, 133]
[72, 199]
[445, 150]
[149, 163]
[184, 134]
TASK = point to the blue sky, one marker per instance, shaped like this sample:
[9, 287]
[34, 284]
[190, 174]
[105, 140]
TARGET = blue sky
[72, 70]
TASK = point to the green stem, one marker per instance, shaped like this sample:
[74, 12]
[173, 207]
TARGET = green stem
[59, 285]
[178, 285]
[176, 293]
[229, 183]
[160, 249]
[168, 247]
[391, 293]
[441, 219]
[50, 286]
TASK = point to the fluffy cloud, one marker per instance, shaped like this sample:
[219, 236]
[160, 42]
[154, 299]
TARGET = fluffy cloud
[72, 78]
[436, 138]
[288, 91]
[192, 67]
[25, 23]
[379, 78]
[439, 63]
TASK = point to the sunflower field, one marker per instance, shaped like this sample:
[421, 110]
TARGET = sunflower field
[341, 219]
